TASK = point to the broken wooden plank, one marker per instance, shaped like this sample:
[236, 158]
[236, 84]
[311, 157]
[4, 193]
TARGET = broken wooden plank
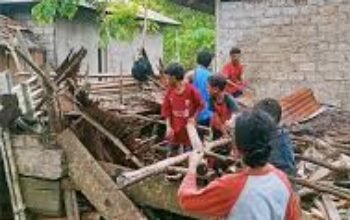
[344, 194]
[330, 208]
[155, 192]
[12, 177]
[42, 196]
[48, 163]
[93, 181]
[113, 138]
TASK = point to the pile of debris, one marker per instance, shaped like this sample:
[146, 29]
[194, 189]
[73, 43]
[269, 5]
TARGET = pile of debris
[113, 128]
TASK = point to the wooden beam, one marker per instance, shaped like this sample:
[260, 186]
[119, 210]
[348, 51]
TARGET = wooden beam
[330, 208]
[42, 196]
[93, 181]
[155, 192]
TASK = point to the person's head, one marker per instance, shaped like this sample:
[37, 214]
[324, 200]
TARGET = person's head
[204, 58]
[216, 84]
[235, 54]
[175, 73]
[270, 106]
[253, 133]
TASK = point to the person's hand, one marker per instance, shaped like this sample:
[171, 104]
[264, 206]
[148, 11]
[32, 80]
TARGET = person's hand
[169, 132]
[194, 160]
[192, 121]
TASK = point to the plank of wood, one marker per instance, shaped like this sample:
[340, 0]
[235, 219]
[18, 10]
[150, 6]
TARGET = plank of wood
[42, 196]
[12, 177]
[93, 181]
[330, 208]
[48, 163]
[155, 191]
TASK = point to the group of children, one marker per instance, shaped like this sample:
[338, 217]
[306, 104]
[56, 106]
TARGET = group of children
[261, 191]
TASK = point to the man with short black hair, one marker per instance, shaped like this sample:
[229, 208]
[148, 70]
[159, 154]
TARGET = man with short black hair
[282, 155]
[199, 79]
[233, 70]
[181, 105]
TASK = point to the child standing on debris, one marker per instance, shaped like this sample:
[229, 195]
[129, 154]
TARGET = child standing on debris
[199, 79]
[259, 192]
[233, 70]
[181, 105]
[282, 154]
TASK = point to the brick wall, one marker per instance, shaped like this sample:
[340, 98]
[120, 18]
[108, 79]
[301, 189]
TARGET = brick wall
[288, 44]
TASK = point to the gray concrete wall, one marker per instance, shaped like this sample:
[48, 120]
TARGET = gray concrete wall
[124, 53]
[82, 31]
[288, 44]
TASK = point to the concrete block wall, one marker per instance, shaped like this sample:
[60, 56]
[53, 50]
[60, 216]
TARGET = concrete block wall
[288, 44]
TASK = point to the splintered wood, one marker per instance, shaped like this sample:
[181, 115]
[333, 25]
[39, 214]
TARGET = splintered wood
[323, 165]
[94, 183]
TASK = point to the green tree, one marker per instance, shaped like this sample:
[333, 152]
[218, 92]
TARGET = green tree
[196, 32]
[117, 21]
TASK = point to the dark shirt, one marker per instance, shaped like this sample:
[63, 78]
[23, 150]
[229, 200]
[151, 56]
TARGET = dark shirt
[282, 154]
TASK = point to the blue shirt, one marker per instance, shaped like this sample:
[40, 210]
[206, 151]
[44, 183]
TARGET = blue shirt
[282, 154]
[200, 82]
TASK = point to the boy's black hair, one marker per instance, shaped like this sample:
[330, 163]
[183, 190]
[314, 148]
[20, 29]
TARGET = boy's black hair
[270, 106]
[176, 70]
[217, 81]
[204, 58]
[253, 133]
[235, 50]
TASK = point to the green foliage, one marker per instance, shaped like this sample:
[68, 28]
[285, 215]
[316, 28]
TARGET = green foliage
[46, 11]
[197, 32]
[117, 21]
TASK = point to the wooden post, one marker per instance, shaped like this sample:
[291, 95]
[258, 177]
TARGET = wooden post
[70, 202]
[121, 83]
[12, 176]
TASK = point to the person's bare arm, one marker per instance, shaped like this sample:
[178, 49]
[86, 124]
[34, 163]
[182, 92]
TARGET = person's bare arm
[189, 76]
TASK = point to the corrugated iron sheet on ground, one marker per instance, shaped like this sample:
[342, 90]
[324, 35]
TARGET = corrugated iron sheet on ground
[299, 105]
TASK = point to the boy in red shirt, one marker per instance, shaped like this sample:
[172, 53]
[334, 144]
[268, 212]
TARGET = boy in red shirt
[223, 107]
[258, 192]
[233, 70]
[181, 105]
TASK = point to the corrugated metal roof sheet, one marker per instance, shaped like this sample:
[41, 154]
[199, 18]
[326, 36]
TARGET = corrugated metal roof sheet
[299, 105]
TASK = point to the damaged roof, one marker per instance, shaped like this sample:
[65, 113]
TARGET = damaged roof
[9, 29]
[151, 15]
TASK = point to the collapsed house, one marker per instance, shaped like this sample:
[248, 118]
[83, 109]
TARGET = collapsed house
[93, 147]
[99, 161]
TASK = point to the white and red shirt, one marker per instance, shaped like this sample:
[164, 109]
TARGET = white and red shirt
[247, 195]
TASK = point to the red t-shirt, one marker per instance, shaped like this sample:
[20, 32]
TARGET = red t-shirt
[234, 73]
[179, 108]
[223, 110]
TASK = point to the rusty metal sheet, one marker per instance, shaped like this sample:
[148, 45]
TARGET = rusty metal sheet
[299, 105]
